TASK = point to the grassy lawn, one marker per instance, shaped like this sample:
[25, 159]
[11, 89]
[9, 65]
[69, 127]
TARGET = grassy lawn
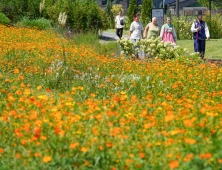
[213, 47]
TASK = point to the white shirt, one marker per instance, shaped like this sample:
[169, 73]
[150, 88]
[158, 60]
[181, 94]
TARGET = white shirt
[193, 29]
[136, 27]
[117, 20]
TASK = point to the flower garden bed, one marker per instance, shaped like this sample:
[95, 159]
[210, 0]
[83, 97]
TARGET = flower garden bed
[67, 107]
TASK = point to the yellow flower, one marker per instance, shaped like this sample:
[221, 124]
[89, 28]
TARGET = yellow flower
[39, 87]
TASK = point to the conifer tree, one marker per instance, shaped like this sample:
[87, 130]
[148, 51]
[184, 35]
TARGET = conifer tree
[168, 12]
[108, 8]
[132, 10]
[146, 11]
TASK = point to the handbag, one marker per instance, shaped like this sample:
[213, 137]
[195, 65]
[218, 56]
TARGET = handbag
[121, 22]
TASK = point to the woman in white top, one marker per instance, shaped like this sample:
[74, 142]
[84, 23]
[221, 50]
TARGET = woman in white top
[136, 30]
[119, 22]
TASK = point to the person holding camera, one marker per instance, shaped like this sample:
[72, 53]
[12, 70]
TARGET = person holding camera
[200, 34]
[119, 22]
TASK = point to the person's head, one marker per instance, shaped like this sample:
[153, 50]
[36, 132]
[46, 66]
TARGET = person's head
[200, 16]
[154, 20]
[137, 17]
[168, 20]
[120, 12]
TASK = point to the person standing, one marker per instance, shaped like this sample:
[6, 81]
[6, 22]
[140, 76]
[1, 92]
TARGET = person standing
[200, 34]
[168, 32]
[152, 29]
[136, 31]
[119, 22]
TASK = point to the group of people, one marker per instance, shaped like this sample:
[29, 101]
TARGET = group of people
[167, 32]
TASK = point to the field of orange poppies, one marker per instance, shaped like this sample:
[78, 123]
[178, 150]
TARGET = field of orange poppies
[66, 107]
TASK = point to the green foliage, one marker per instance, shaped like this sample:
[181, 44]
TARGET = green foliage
[216, 4]
[168, 12]
[82, 15]
[161, 5]
[146, 11]
[14, 9]
[158, 49]
[116, 8]
[40, 23]
[108, 9]
[91, 39]
[214, 24]
[4, 20]
[132, 10]
[184, 26]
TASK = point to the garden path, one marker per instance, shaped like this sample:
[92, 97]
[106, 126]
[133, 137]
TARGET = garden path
[110, 36]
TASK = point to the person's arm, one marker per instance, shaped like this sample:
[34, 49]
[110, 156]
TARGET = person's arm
[193, 29]
[174, 34]
[162, 32]
[146, 30]
[142, 34]
[124, 22]
[131, 30]
[115, 22]
[142, 29]
[207, 33]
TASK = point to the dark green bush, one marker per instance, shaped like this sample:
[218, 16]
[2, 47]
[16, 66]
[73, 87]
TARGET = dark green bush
[4, 20]
[111, 20]
[81, 15]
[132, 10]
[14, 9]
[40, 23]
[146, 12]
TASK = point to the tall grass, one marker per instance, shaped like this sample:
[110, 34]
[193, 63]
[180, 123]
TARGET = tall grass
[40, 23]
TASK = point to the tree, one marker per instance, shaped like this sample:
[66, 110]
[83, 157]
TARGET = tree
[116, 8]
[216, 4]
[132, 10]
[109, 13]
[146, 11]
[168, 12]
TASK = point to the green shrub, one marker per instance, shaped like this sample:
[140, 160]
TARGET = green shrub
[185, 24]
[132, 10]
[214, 24]
[108, 8]
[4, 20]
[157, 48]
[168, 12]
[14, 9]
[81, 15]
[146, 12]
[40, 23]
